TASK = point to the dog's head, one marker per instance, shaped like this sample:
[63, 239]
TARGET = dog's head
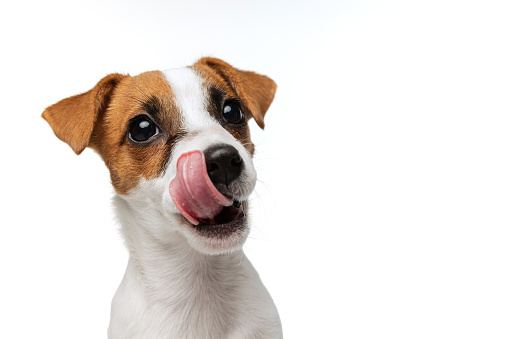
[177, 146]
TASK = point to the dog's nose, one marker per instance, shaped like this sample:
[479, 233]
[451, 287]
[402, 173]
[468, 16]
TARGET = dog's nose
[224, 163]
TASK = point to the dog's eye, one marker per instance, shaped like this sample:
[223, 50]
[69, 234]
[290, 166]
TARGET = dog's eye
[232, 112]
[142, 129]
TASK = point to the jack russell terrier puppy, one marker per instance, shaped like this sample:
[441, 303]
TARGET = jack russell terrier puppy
[179, 152]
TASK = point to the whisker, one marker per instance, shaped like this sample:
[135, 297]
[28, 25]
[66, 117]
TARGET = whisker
[139, 214]
[241, 257]
[245, 142]
[135, 99]
[139, 89]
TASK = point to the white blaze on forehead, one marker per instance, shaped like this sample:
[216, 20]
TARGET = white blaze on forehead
[190, 96]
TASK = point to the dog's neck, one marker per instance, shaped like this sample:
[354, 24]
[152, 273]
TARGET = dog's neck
[168, 264]
[181, 289]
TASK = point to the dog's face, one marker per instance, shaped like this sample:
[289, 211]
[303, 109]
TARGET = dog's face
[177, 145]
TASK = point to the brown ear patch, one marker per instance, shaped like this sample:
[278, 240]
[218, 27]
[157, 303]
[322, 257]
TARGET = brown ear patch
[100, 119]
[147, 94]
[73, 119]
[255, 90]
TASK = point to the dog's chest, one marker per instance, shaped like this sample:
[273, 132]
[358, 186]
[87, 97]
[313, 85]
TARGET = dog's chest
[205, 302]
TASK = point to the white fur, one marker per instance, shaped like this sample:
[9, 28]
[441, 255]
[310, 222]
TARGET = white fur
[179, 284]
[188, 89]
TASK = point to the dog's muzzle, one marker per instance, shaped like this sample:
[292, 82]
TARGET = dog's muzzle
[201, 187]
[224, 165]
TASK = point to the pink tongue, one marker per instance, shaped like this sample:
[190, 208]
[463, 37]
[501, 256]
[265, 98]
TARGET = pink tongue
[193, 192]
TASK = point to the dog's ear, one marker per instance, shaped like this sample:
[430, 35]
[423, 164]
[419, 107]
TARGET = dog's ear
[255, 90]
[73, 119]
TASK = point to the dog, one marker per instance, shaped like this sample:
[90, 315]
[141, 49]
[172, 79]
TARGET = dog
[178, 149]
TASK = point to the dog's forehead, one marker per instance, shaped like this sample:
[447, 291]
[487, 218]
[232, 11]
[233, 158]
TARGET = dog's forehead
[191, 97]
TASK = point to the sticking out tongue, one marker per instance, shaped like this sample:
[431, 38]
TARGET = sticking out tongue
[193, 192]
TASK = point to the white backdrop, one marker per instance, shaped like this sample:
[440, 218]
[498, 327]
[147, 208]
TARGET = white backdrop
[382, 206]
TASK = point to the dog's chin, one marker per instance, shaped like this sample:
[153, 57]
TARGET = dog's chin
[225, 234]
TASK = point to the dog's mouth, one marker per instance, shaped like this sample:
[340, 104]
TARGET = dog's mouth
[200, 203]
[230, 220]
[227, 215]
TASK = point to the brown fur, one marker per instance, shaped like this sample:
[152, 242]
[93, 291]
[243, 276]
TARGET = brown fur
[256, 91]
[127, 161]
[73, 119]
[100, 117]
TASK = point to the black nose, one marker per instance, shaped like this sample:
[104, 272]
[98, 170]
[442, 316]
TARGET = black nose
[224, 164]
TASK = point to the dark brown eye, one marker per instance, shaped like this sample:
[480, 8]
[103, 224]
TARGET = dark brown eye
[142, 129]
[232, 112]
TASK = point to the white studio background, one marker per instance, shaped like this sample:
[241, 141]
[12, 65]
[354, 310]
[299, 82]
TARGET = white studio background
[382, 207]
